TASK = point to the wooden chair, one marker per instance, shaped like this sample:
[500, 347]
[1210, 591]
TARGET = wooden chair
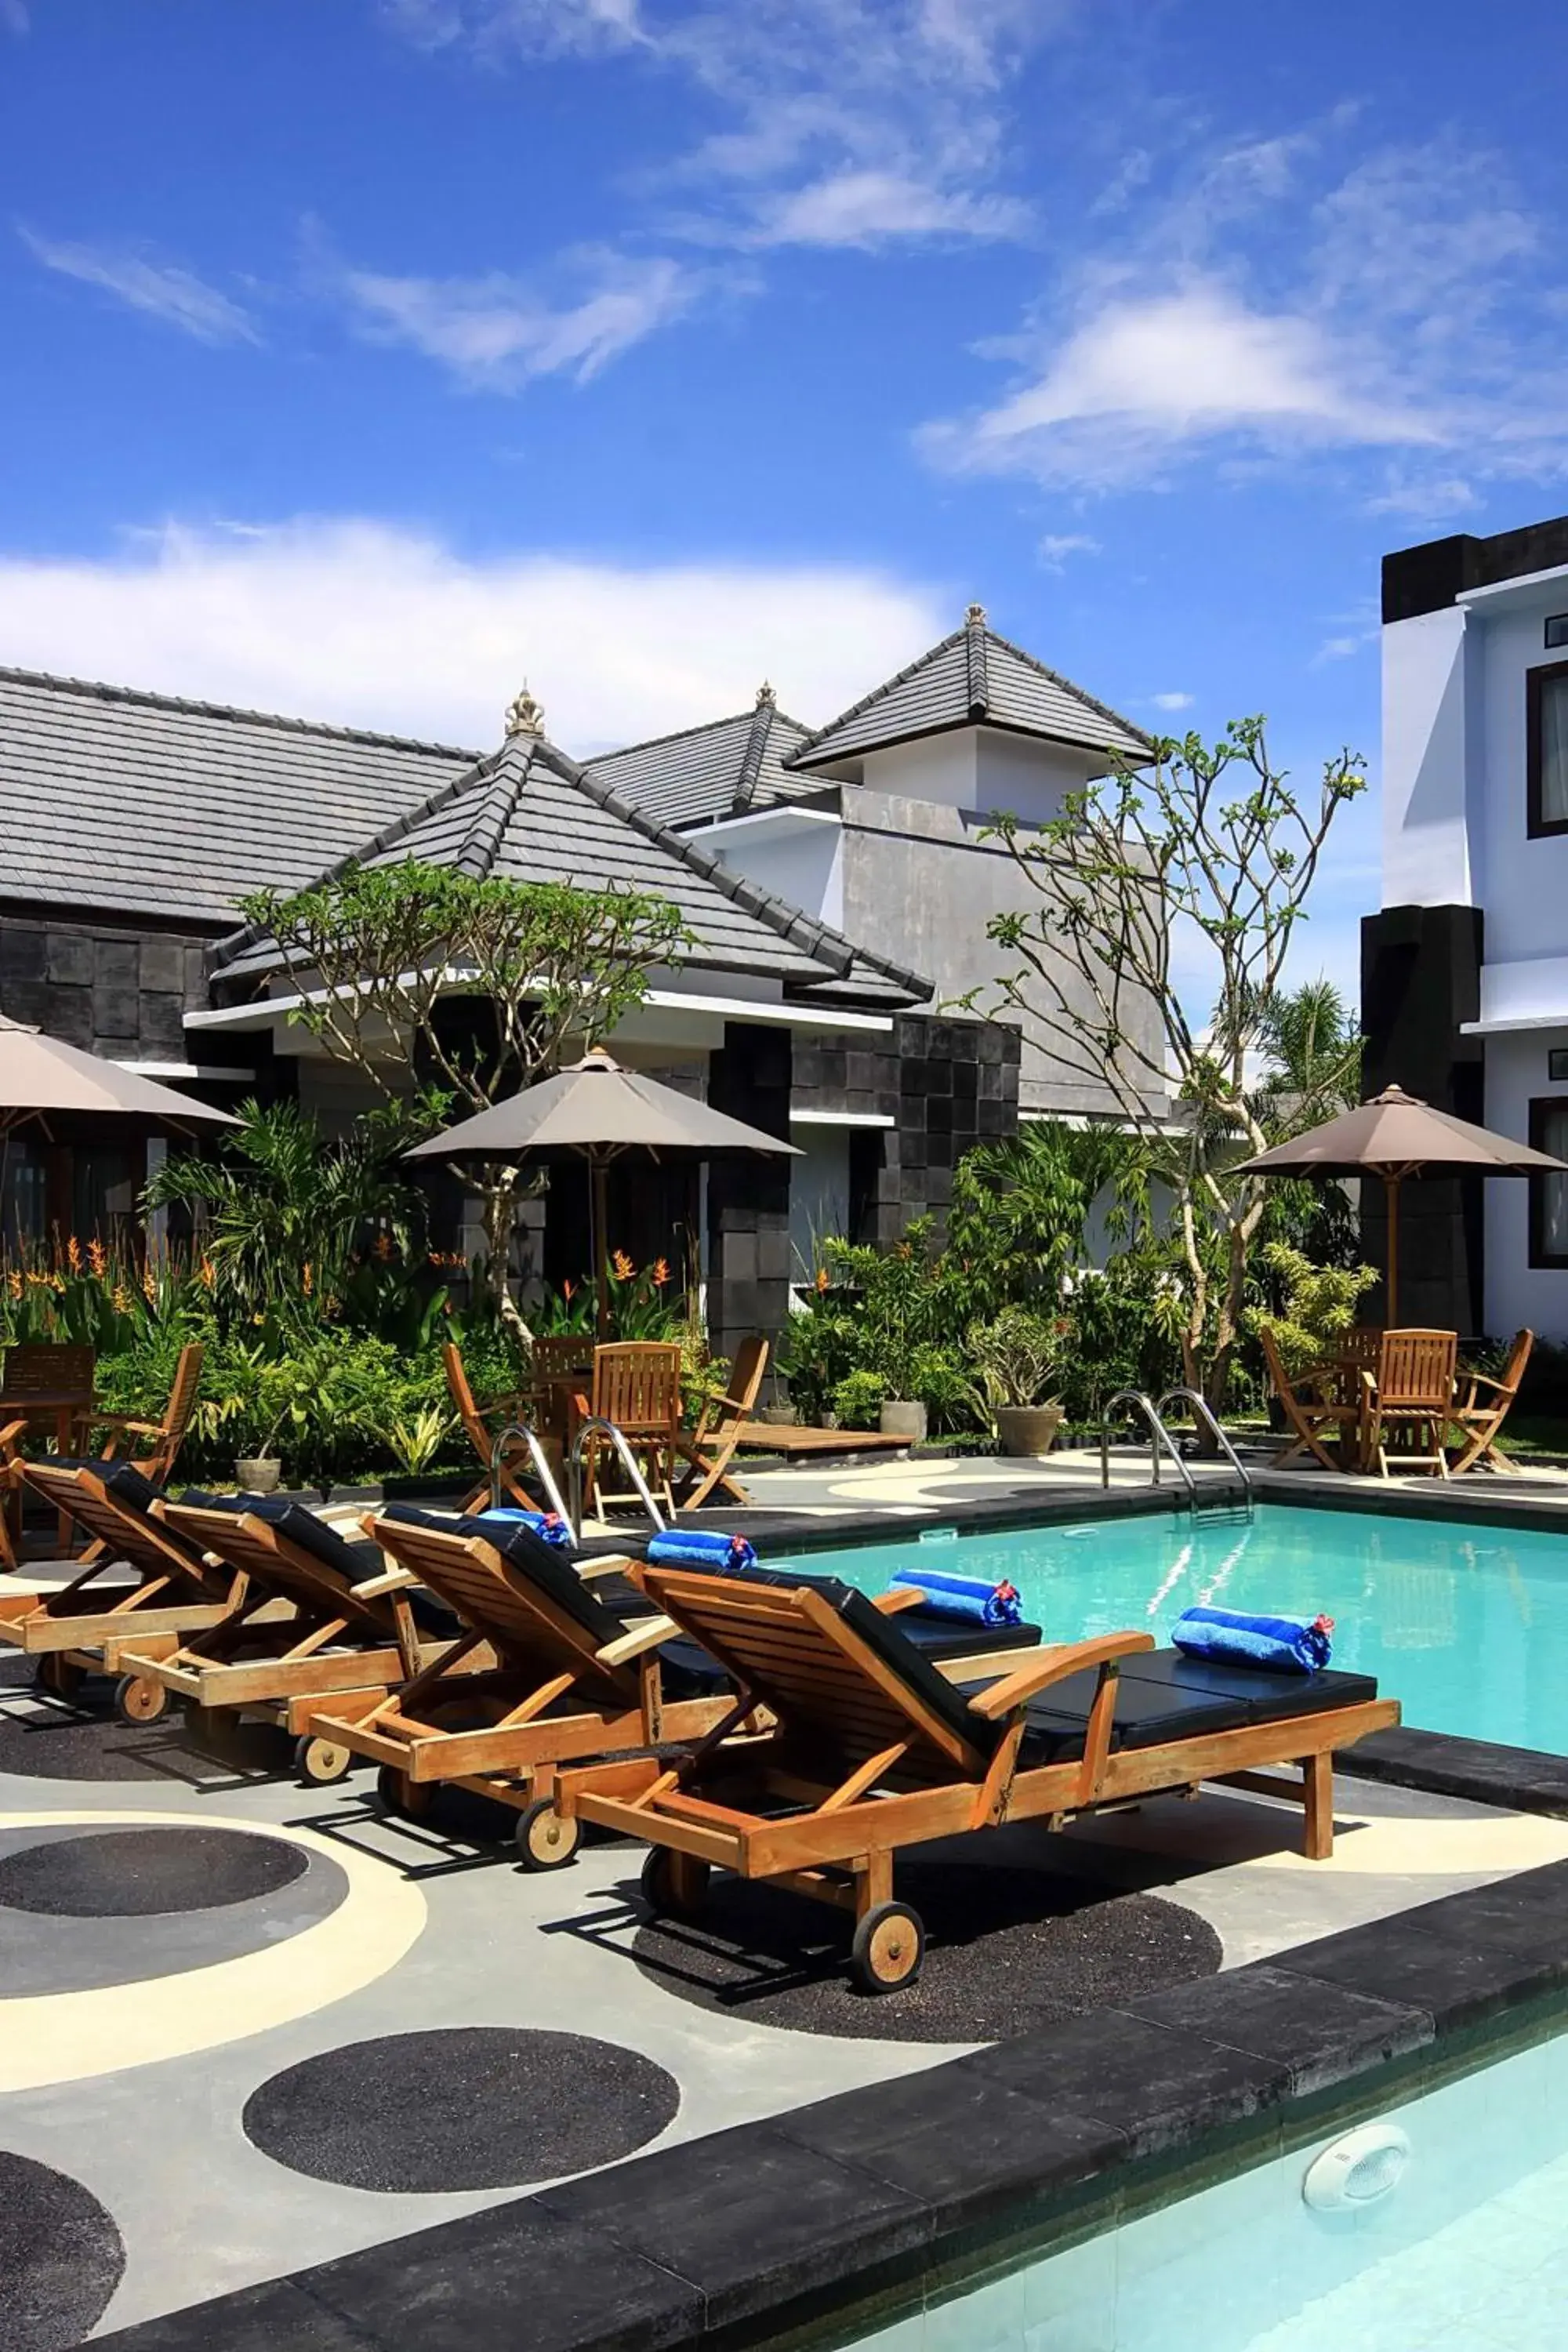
[11, 1437]
[1480, 1417]
[82, 1628]
[481, 1436]
[1412, 1397]
[871, 1749]
[713, 1441]
[569, 1679]
[1316, 1403]
[637, 1384]
[319, 1616]
[167, 1435]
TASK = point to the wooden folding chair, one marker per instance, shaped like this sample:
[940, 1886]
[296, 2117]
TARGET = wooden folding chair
[569, 1679]
[481, 1436]
[1412, 1397]
[10, 1492]
[169, 1433]
[82, 1628]
[870, 1750]
[637, 1385]
[1480, 1417]
[713, 1441]
[318, 1618]
[1315, 1405]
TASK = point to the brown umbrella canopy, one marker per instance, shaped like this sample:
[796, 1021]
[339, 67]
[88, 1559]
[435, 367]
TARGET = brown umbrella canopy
[41, 1078]
[595, 1110]
[1393, 1136]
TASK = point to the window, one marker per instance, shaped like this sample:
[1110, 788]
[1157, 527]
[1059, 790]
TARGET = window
[1549, 1193]
[1546, 747]
[1557, 1064]
[1556, 630]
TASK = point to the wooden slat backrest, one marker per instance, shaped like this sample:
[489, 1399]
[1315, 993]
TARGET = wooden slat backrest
[242, 1541]
[128, 1534]
[522, 1624]
[1357, 1349]
[462, 1395]
[637, 1384]
[44, 1367]
[559, 1356]
[181, 1397]
[791, 1650]
[1279, 1377]
[1518, 1358]
[1416, 1371]
[745, 1382]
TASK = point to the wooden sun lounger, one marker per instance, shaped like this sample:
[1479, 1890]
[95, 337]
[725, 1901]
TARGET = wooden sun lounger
[569, 1680]
[351, 1626]
[84, 1627]
[872, 1749]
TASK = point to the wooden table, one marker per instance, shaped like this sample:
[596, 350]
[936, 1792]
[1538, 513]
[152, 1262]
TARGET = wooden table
[71, 1410]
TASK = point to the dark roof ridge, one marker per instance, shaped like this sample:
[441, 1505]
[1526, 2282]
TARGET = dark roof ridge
[487, 828]
[145, 697]
[842, 718]
[235, 943]
[683, 734]
[975, 633]
[751, 766]
[1033, 661]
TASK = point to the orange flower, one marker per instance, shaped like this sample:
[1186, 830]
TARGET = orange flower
[661, 1271]
[122, 1299]
[95, 1256]
[14, 1284]
[623, 1265]
[208, 1273]
[822, 1278]
[308, 1283]
[73, 1254]
[150, 1286]
[566, 1290]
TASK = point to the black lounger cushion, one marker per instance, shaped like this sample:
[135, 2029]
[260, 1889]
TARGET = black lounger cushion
[353, 1562]
[1160, 1698]
[543, 1565]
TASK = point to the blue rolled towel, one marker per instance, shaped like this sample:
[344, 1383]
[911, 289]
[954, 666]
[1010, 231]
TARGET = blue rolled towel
[549, 1526]
[976, 1600]
[1282, 1645]
[701, 1547]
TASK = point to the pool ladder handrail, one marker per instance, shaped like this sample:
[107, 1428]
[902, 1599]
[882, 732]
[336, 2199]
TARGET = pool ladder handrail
[1159, 1436]
[596, 1426]
[542, 1470]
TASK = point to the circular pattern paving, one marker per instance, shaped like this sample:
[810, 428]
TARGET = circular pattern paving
[472, 2106]
[132, 1874]
[1007, 1951]
[61, 2257]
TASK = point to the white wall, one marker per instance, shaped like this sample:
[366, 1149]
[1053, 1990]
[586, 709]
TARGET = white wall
[1521, 884]
[800, 859]
[1515, 1292]
[1425, 832]
[985, 769]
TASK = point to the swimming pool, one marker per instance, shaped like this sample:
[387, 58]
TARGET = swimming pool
[1465, 1625]
[1467, 2252]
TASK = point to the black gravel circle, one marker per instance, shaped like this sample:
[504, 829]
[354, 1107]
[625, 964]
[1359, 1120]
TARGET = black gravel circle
[61, 2257]
[1007, 1951]
[131, 1874]
[473, 2107]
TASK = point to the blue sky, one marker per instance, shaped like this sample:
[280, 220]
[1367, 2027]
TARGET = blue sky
[358, 356]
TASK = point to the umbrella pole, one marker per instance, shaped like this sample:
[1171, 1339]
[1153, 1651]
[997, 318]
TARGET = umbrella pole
[1390, 1301]
[599, 1238]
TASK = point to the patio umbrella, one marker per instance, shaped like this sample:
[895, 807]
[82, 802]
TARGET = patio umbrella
[1393, 1136]
[41, 1077]
[594, 1111]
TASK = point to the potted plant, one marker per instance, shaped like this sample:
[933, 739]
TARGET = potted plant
[1015, 1356]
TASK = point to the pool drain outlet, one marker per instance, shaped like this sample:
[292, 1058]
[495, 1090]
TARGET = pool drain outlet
[1363, 2166]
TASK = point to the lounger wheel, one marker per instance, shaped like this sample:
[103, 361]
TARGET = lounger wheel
[890, 1945]
[141, 1698]
[546, 1841]
[396, 1794]
[674, 1885]
[59, 1674]
[319, 1762]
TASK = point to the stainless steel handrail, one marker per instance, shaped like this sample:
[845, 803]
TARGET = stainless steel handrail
[1204, 1411]
[542, 1470]
[595, 1426]
[1158, 1435]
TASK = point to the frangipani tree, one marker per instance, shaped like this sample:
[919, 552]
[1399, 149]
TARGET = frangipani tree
[1209, 849]
[389, 955]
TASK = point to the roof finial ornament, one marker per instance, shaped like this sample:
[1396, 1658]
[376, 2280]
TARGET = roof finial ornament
[766, 698]
[524, 715]
[975, 617]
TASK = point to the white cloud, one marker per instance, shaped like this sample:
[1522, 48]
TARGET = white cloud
[500, 334]
[1173, 701]
[1058, 545]
[1142, 377]
[1423, 500]
[865, 209]
[161, 289]
[369, 624]
[14, 17]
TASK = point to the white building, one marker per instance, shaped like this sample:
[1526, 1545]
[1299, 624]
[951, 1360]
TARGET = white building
[1465, 970]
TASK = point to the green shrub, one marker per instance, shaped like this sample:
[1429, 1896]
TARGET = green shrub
[1316, 1303]
[858, 1400]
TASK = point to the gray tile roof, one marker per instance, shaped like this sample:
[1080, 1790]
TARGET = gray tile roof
[123, 801]
[716, 771]
[530, 813]
[972, 677]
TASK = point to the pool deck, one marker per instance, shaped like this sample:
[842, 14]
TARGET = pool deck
[252, 2092]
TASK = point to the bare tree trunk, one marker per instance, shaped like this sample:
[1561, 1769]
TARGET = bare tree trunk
[497, 1191]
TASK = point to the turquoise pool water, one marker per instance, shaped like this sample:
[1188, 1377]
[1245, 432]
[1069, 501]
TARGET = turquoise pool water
[1466, 2252]
[1467, 1625]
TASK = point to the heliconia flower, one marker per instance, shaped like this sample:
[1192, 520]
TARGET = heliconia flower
[209, 1274]
[95, 1256]
[308, 1282]
[73, 1254]
[122, 1299]
[822, 1278]
[661, 1271]
[623, 1265]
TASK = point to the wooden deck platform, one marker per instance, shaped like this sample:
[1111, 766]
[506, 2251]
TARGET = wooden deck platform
[798, 1441]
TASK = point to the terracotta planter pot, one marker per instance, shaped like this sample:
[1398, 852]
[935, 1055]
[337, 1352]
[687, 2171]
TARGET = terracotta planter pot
[1027, 1429]
[902, 1418]
[259, 1475]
